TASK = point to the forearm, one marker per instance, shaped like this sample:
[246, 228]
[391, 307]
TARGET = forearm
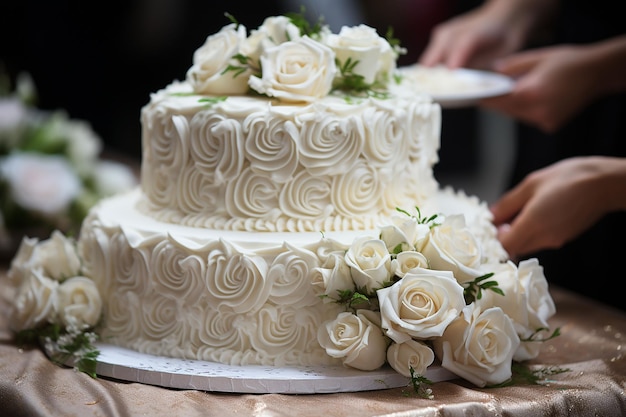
[528, 16]
[613, 182]
[608, 59]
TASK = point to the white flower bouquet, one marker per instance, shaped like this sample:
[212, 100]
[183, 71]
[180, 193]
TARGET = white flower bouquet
[422, 290]
[50, 168]
[291, 61]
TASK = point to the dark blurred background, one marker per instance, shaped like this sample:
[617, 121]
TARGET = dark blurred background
[101, 60]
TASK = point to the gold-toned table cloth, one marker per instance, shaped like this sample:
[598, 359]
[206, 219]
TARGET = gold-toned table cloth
[592, 346]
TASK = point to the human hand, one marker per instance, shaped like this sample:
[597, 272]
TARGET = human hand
[477, 38]
[552, 85]
[553, 205]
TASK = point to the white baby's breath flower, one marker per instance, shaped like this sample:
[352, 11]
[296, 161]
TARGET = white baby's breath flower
[42, 183]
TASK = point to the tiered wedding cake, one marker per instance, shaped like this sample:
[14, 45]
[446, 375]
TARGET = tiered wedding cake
[284, 218]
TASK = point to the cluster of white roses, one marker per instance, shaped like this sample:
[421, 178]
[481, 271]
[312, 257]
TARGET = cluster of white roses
[280, 60]
[50, 171]
[423, 290]
[53, 299]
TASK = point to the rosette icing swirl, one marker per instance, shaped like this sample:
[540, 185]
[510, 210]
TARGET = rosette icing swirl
[352, 193]
[306, 197]
[290, 277]
[217, 145]
[237, 280]
[252, 195]
[178, 273]
[330, 145]
[271, 146]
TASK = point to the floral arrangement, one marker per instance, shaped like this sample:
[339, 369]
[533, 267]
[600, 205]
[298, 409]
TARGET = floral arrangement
[422, 290]
[292, 61]
[55, 304]
[50, 169]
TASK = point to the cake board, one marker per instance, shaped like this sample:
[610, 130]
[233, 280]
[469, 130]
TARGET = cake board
[132, 366]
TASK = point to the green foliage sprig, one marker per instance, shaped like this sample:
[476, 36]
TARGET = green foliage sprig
[473, 290]
[421, 385]
[62, 345]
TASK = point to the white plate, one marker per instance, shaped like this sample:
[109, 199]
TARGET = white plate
[455, 88]
[129, 365]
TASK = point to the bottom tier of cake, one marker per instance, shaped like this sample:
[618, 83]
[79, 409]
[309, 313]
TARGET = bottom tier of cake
[238, 298]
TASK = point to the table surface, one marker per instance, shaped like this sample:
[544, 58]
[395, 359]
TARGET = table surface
[592, 347]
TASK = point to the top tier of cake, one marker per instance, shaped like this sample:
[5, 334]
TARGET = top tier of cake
[246, 163]
[287, 130]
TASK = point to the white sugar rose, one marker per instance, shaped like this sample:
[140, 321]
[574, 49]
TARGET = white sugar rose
[451, 246]
[57, 256]
[300, 70]
[363, 45]
[332, 278]
[479, 346]
[35, 302]
[208, 74]
[42, 183]
[526, 301]
[410, 354]
[408, 261]
[403, 232]
[21, 263]
[79, 303]
[420, 305]
[274, 31]
[369, 262]
[357, 339]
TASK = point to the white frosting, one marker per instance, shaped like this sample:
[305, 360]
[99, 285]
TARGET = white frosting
[248, 163]
[234, 297]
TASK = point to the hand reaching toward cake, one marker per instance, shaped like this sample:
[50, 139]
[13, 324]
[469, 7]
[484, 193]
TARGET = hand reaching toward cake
[553, 205]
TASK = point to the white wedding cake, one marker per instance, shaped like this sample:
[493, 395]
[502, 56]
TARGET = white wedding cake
[284, 218]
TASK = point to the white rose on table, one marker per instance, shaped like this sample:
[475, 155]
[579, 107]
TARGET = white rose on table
[410, 354]
[408, 261]
[43, 183]
[363, 45]
[79, 303]
[403, 232]
[369, 262]
[479, 346]
[35, 301]
[21, 263]
[526, 301]
[208, 74]
[357, 339]
[57, 256]
[301, 70]
[451, 246]
[421, 305]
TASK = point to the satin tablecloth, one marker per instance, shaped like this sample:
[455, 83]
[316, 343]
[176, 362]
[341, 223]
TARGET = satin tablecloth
[592, 347]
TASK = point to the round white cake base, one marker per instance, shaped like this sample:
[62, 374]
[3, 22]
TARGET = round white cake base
[129, 365]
